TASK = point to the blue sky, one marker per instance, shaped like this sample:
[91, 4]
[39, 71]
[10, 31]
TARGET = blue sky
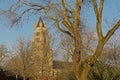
[9, 36]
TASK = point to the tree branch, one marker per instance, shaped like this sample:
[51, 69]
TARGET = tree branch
[30, 4]
[98, 17]
[65, 13]
[49, 16]
[62, 30]
[66, 18]
[77, 13]
[111, 32]
[95, 7]
[101, 7]
[56, 19]
[20, 16]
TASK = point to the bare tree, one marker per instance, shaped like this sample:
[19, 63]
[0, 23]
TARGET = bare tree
[21, 61]
[3, 54]
[82, 75]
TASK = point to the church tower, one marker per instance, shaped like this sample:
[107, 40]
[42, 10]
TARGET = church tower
[42, 54]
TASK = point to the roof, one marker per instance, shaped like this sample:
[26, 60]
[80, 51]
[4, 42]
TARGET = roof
[61, 64]
[40, 21]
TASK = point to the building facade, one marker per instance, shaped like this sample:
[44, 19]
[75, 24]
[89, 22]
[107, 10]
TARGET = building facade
[42, 54]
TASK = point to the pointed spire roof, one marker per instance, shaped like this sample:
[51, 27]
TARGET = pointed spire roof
[40, 22]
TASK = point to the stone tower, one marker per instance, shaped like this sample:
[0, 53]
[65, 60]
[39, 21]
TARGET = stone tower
[42, 54]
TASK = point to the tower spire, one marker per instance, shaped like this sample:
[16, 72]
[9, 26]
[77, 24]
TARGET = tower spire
[40, 22]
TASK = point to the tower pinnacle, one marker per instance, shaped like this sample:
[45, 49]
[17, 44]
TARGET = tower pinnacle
[40, 22]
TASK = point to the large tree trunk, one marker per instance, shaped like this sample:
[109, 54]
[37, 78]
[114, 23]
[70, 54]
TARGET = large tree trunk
[77, 54]
[84, 72]
[81, 70]
[24, 78]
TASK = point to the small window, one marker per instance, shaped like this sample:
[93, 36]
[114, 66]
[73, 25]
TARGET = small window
[44, 37]
[37, 39]
[38, 33]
